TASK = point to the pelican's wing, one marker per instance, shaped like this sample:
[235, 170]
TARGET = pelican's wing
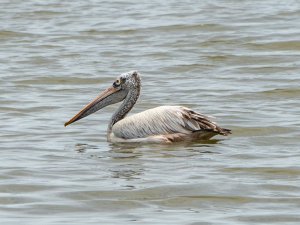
[165, 120]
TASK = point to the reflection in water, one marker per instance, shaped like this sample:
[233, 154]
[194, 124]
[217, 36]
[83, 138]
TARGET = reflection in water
[81, 148]
[127, 161]
[120, 157]
[125, 147]
[137, 150]
[127, 171]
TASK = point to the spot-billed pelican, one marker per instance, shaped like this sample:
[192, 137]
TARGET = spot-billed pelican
[164, 124]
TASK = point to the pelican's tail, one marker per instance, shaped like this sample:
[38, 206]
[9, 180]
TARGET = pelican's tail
[224, 131]
[215, 131]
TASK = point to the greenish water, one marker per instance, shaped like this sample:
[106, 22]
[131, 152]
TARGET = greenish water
[235, 60]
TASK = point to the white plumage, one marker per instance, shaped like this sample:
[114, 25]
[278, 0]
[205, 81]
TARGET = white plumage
[164, 124]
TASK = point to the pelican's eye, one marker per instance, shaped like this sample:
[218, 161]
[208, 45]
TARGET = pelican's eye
[117, 83]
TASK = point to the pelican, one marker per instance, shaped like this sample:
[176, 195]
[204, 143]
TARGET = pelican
[164, 124]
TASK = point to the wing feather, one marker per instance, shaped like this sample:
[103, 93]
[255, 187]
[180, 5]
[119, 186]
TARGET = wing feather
[165, 120]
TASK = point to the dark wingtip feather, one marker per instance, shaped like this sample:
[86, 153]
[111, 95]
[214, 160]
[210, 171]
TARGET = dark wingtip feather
[225, 131]
[218, 130]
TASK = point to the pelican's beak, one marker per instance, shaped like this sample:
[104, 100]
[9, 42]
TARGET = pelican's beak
[101, 101]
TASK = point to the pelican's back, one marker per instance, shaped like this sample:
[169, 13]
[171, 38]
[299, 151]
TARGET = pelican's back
[165, 120]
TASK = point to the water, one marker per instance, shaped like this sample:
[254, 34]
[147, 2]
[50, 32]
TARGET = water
[236, 60]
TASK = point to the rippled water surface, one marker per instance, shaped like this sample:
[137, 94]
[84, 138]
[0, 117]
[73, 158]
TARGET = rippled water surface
[235, 60]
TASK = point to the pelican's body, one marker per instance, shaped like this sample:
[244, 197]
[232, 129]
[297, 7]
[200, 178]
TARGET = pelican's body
[164, 124]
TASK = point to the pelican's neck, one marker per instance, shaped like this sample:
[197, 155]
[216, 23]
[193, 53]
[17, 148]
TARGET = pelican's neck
[124, 108]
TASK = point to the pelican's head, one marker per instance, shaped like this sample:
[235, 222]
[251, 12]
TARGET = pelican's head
[117, 92]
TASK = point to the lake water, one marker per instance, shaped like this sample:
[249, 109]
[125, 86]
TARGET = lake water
[236, 60]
